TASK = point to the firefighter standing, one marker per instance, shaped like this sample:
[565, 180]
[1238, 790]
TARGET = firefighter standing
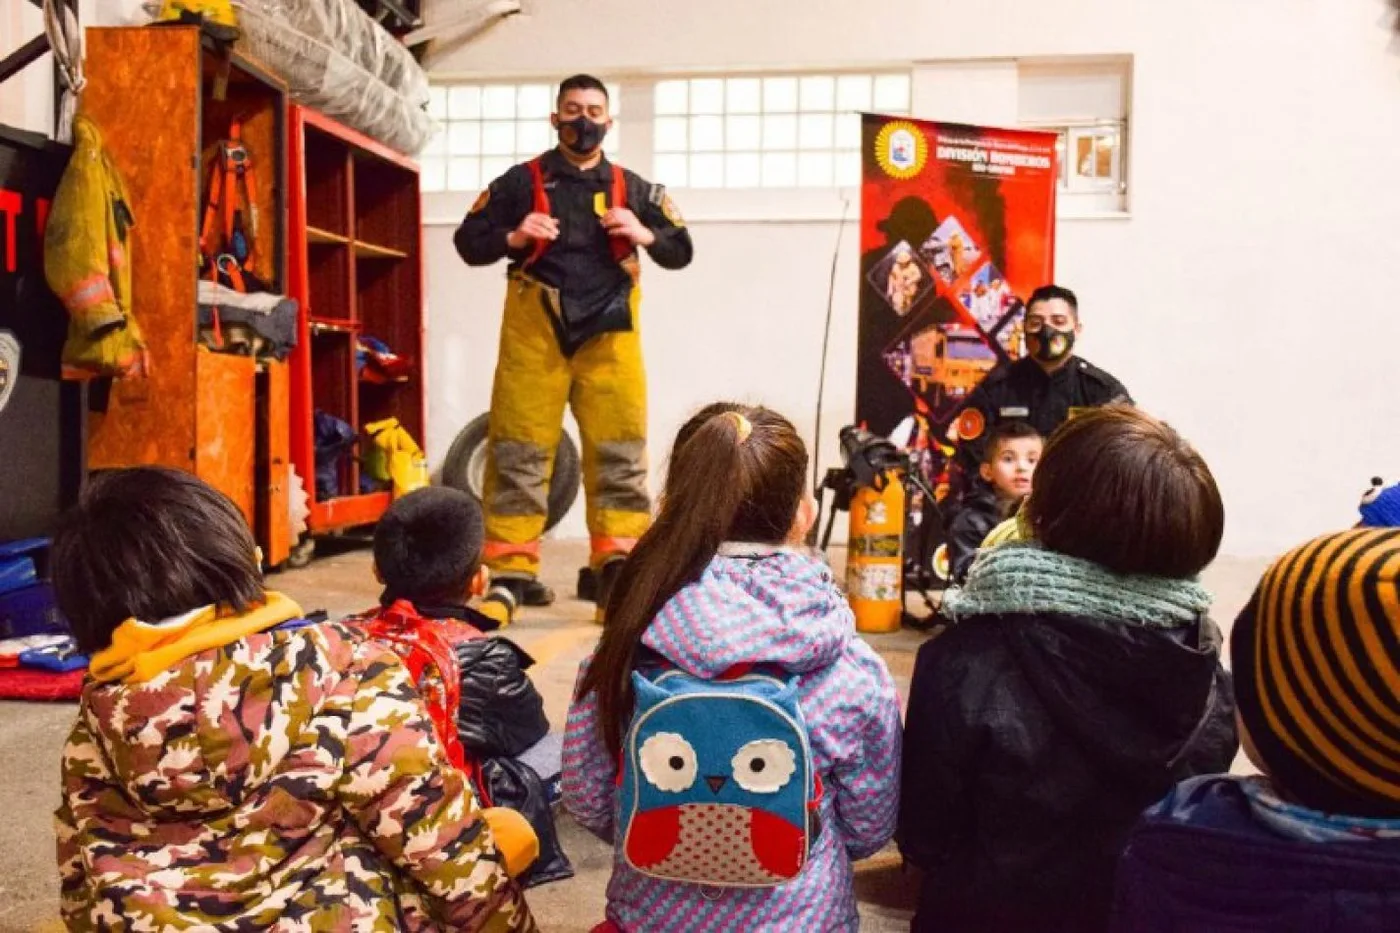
[571, 223]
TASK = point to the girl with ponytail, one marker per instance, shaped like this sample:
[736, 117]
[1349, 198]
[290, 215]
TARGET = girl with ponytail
[720, 582]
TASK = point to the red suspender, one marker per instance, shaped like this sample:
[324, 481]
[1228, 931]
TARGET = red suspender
[541, 206]
[622, 248]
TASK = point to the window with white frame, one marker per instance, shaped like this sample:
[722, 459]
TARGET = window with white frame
[1086, 104]
[484, 129]
[767, 131]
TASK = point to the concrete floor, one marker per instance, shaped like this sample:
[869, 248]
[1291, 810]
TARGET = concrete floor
[32, 736]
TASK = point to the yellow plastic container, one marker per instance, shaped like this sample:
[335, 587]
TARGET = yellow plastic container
[875, 557]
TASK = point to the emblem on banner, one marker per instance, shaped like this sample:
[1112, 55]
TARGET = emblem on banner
[901, 150]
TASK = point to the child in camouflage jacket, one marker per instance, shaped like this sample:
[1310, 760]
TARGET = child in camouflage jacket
[234, 767]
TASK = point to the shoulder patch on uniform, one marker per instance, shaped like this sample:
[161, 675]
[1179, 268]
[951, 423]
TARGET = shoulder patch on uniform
[657, 195]
[671, 212]
[481, 201]
[970, 424]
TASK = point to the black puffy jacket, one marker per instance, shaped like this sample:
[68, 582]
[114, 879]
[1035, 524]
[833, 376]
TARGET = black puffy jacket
[501, 713]
[978, 514]
[1032, 744]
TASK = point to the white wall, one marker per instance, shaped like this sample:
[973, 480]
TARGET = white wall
[1248, 297]
[26, 100]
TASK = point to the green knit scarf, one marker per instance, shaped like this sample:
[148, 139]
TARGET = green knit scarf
[1023, 578]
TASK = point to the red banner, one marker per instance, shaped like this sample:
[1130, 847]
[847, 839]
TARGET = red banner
[957, 228]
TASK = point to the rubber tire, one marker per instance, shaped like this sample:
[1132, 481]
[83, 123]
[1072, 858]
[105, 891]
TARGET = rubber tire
[459, 471]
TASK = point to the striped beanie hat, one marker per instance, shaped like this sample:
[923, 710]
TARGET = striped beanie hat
[1316, 657]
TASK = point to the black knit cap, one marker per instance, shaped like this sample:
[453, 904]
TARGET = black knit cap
[1316, 657]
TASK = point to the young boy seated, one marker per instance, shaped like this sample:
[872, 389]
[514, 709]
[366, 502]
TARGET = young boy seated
[427, 553]
[234, 767]
[1012, 451]
[1313, 844]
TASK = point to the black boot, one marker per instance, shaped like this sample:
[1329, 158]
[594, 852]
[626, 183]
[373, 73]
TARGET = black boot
[606, 576]
[527, 591]
[587, 585]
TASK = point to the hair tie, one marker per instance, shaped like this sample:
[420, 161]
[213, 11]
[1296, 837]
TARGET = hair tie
[742, 424]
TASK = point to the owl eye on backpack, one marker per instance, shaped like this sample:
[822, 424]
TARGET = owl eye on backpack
[717, 782]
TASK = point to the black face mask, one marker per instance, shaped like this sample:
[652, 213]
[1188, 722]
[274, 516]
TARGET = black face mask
[582, 135]
[1049, 345]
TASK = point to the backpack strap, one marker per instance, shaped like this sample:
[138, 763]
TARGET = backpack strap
[422, 645]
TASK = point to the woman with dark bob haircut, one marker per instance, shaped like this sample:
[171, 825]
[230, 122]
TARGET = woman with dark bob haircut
[1080, 681]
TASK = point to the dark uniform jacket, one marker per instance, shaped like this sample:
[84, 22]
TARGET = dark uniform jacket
[1033, 743]
[593, 288]
[1023, 391]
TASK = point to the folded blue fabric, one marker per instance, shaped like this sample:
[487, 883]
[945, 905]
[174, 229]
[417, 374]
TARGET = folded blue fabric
[59, 658]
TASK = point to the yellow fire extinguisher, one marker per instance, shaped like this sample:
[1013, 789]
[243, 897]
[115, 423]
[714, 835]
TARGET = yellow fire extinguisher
[875, 561]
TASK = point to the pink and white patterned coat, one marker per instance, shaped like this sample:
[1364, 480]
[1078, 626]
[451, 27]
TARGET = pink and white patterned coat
[781, 609]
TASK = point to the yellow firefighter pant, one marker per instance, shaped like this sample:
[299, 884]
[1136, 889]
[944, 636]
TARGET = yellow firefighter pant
[605, 384]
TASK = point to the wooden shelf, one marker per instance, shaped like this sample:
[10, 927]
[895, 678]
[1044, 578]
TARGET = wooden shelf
[349, 511]
[324, 237]
[365, 250]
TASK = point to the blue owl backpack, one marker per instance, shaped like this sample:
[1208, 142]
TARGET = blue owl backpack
[717, 782]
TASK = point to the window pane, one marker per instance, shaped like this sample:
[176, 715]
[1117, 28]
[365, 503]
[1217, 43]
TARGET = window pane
[670, 134]
[707, 171]
[743, 170]
[614, 98]
[671, 97]
[532, 137]
[743, 133]
[1095, 158]
[464, 102]
[498, 138]
[706, 135]
[437, 102]
[498, 102]
[780, 132]
[779, 95]
[432, 174]
[814, 169]
[848, 131]
[533, 101]
[892, 93]
[464, 138]
[815, 130]
[780, 170]
[744, 95]
[819, 93]
[707, 95]
[612, 145]
[848, 169]
[671, 170]
[437, 145]
[494, 167]
[853, 92]
[463, 175]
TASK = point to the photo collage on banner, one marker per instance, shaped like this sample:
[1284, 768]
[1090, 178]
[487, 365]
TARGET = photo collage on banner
[957, 228]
